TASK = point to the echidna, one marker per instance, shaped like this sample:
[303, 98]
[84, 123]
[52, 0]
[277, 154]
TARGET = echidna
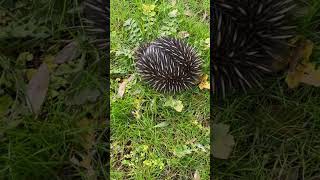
[169, 65]
[97, 22]
[249, 35]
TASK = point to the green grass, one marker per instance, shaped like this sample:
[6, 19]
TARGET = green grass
[276, 130]
[140, 150]
[49, 145]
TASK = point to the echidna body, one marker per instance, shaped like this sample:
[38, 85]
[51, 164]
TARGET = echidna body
[169, 65]
[249, 35]
[97, 22]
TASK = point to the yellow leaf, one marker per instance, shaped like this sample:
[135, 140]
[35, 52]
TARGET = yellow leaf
[30, 73]
[311, 75]
[49, 60]
[293, 79]
[179, 106]
[301, 70]
[207, 41]
[204, 84]
[175, 104]
[307, 51]
[147, 8]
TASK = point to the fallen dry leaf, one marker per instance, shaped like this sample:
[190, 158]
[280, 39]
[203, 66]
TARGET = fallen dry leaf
[68, 53]
[196, 175]
[88, 140]
[188, 13]
[122, 86]
[37, 88]
[301, 70]
[311, 76]
[204, 83]
[222, 141]
[30, 73]
[85, 95]
[183, 34]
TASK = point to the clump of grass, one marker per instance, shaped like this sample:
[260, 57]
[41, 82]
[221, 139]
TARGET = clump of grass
[50, 144]
[275, 129]
[149, 139]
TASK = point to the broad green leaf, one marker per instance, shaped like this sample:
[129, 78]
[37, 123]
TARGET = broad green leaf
[23, 58]
[162, 124]
[182, 150]
[175, 104]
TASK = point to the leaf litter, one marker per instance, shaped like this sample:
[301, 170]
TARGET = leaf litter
[301, 70]
[37, 88]
[223, 142]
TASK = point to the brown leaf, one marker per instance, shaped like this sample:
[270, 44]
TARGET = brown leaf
[204, 84]
[87, 136]
[222, 141]
[88, 141]
[84, 95]
[68, 53]
[37, 88]
[301, 70]
[188, 13]
[311, 76]
[122, 86]
[196, 175]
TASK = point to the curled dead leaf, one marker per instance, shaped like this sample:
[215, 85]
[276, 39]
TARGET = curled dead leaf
[196, 175]
[204, 83]
[183, 34]
[122, 86]
[223, 142]
[300, 67]
[188, 13]
[68, 53]
[37, 88]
